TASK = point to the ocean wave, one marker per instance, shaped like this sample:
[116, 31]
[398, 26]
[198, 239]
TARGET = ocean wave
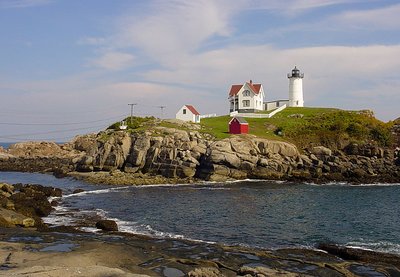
[136, 228]
[164, 185]
[99, 191]
[59, 220]
[347, 184]
[376, 185]
[381, 246]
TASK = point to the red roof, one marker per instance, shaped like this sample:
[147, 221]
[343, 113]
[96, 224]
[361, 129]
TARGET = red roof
[256, 88]
[192, 109]
[240, 120]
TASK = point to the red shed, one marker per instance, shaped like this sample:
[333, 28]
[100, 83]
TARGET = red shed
[238, 125]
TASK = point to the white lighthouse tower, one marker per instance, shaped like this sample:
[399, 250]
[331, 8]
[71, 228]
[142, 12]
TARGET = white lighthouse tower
[296, 88]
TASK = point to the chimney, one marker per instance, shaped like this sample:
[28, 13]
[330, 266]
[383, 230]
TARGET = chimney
[251, 82]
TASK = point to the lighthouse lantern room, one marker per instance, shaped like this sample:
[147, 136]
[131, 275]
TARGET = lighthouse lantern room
[296, 88]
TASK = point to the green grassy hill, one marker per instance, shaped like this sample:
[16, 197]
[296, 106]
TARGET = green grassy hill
[304, 126]
[333, 128]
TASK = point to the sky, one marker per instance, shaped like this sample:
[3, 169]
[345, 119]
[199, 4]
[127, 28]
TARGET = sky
[70, 67]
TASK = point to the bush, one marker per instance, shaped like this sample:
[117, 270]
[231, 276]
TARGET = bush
[382, 135]
[357, 130]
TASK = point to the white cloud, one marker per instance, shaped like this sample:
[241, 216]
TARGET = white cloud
[176, 28]
[387, 18]
[334, 75]
[114, 61]
[8, 4]
[291, 7]
[172, 32]
[92, 41]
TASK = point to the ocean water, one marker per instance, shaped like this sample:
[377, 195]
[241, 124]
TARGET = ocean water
[5, 145]
[251, 213]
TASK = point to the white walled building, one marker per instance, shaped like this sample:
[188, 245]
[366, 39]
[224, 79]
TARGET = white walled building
[188, 113]
[246, 98]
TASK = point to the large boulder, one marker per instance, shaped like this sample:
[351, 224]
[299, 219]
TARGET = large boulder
[321, 151]
[139, 150]
[243, 146]
[266, 146]
[225, 158]
[107, 225]
[86, 143]
[31, 202]
[205, 272]
[10, 218]
[113, 151]
[221, 145]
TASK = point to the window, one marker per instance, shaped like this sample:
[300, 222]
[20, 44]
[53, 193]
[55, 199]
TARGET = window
[246, 93]
[246, 103]
[184, 111]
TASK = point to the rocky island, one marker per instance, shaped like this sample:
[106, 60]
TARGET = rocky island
[327, 146]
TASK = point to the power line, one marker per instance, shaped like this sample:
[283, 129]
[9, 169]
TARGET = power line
[44, 112]
[58, 124]
[49, 132]
[58, 139]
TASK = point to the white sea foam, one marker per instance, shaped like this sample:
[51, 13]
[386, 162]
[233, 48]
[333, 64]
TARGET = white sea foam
[58, 220]
[143, 229]
[381, 246]
[99, 191]
[89, 229]
[165, 185]
[327, 184]
[354, 185]
[377, 185]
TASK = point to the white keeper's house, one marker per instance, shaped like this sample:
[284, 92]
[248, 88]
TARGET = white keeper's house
[250, 97]
[246, 98]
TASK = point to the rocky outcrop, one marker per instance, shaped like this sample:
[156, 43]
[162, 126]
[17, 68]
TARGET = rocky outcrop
[186, 155]
[247, 157]
[39, 157]
[361, 255]
[24, 205]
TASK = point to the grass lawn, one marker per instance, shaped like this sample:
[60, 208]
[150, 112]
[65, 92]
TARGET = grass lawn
[263, 127]
[304, 126]
[301, 126]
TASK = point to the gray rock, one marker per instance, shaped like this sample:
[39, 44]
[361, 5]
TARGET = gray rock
[321, 151]
[107, 225]
[205, 272]
[11, 218]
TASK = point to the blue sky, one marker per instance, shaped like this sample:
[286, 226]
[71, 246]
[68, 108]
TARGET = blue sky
[71, 66]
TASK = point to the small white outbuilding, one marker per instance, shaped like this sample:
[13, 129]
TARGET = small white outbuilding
[188, 113]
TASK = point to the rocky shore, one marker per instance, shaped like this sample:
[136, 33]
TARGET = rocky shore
[29, 248]
[169, 155]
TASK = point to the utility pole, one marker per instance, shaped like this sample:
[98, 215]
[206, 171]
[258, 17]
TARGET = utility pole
[132, 108]
[162, 110]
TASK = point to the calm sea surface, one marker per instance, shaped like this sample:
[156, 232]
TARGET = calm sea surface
[257, 214]
[5, 145]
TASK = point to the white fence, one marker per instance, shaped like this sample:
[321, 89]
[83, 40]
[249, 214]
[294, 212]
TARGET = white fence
[208, 115]
[259, 115]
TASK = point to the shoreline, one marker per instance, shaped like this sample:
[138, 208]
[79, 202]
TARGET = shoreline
[57, 252]
[28, 251]
[122, 178]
